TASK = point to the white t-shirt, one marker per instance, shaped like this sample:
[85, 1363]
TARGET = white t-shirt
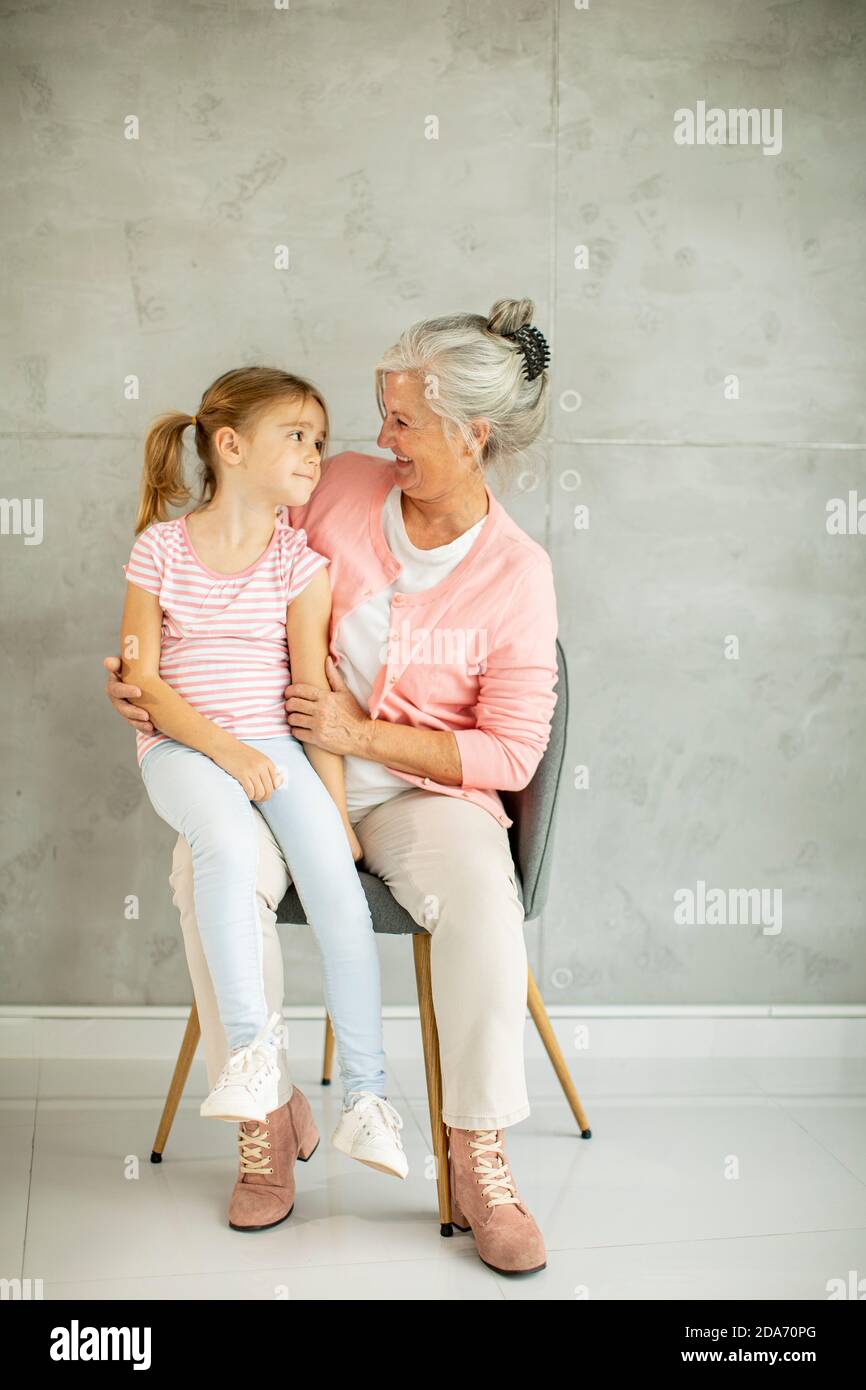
[363, 639]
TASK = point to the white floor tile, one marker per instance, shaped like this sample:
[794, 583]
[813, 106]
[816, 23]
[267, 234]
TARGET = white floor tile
[462, 1277]
[837, 1124]
[763, 1268]
[90, 1221]
[808, 1076]
[658, 1173]
[667, 1178]
[19, 1078]
[16, 1151]
[17, 1113]
[642, 1210]
[116, 1078]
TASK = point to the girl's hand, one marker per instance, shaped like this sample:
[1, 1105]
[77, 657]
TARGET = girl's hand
[254, 770]
[121, 694]
[354, 843]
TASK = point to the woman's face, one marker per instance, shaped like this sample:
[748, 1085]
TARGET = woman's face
[427, 465]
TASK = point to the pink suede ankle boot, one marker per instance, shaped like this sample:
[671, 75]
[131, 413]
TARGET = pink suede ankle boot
[264, 1193]
[484, 1199]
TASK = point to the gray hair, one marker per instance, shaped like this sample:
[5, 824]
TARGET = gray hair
[471, 372]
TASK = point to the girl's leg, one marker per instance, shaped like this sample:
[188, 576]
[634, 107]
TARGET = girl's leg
[308, 827]
[271, 885]
[212, 812]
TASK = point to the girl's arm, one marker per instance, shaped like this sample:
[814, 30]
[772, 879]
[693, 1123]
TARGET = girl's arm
[140, 646]
[308, 620]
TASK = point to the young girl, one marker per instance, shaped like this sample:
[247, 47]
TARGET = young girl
[224, 607]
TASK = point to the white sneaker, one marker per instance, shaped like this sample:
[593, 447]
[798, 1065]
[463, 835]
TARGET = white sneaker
[246, 1088]
[369, 1131]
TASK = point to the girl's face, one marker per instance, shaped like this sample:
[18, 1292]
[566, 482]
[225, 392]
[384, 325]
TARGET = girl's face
[280, 461]
[427, 465]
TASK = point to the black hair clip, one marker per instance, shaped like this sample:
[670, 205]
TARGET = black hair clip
[533, 345]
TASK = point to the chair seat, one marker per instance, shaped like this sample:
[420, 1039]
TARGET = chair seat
[388, 916]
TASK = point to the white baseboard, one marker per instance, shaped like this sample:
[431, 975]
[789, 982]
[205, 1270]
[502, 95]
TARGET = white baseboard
[689, 1031]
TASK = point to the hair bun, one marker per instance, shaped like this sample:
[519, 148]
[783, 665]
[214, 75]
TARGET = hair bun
[507, 315]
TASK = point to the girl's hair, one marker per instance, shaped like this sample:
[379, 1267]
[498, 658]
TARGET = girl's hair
[237, 398]
[471, 372]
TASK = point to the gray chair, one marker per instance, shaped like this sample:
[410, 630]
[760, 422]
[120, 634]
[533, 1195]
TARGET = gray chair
[531, 837]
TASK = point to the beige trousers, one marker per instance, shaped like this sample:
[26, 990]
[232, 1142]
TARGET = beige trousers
[448, 863]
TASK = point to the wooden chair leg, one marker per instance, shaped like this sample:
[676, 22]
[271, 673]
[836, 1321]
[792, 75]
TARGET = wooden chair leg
[328, 1059]
[554, 1052]
[432, 1066]
[192, 1033]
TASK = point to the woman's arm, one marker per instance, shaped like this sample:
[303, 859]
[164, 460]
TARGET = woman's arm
[308, 621]
[140, 644]
[513, 710]
[332, 719]
[429, 753]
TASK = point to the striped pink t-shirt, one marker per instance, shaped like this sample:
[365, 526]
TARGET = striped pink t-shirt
[224, 646]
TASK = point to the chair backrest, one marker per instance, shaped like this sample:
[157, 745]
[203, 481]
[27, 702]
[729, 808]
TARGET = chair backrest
[532, 809]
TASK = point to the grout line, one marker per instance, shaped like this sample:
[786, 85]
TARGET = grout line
[552, 291]
[549, 439]
[778, 1103]
[30, 1171]
[716, 443]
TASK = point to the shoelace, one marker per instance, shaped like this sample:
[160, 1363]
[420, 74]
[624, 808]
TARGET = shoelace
[497, 1183]
[252, 1150]
[367, 1102]
[248, 1058]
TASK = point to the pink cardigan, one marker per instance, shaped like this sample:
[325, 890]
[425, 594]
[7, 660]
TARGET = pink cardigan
[497, 607]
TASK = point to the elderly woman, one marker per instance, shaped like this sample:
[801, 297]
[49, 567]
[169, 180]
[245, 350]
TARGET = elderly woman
[442, 673]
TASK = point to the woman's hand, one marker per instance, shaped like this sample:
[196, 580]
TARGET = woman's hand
[258, 776]
[332, 719]
[120, 695]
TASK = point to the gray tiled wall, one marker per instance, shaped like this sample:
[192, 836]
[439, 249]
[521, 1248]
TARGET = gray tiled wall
[153, 258]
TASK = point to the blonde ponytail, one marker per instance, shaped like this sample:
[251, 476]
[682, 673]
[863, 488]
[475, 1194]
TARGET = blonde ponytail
[162, 483]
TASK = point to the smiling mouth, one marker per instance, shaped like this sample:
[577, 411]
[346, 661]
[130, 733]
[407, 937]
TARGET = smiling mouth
[398, 458]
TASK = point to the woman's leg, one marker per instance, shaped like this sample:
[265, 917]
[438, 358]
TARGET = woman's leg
[448, 862]
[210, 809]
[272, 884]
[309, 829]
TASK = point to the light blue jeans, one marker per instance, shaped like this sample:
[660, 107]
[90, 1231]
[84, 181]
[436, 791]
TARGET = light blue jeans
[213, 813]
